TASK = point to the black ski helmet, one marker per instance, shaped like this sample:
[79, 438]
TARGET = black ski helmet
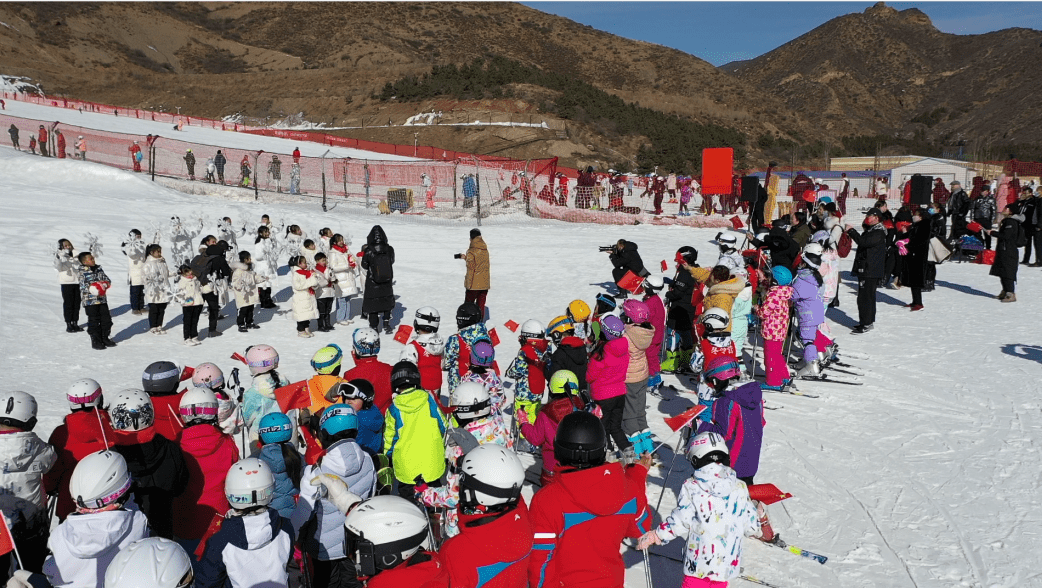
[161, 378]
[404, 375]
[467, 314]
[689, 254]
[580, 440]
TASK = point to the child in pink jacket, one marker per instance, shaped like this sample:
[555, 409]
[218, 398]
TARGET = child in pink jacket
[774, 312]
[606, 374]
[563, 400]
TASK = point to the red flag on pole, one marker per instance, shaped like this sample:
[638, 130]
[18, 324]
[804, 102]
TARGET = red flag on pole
[187, 373]
[293, 396]
[665, 266]
[767, 493]
[632, 283]
[240, 358]
[402, 336]
[494, 337]
[736, 222]
[681, 420]
[6, 540]
[513, 326]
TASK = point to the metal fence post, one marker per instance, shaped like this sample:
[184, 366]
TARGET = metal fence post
[365, 167]
[256, 164]
[477, 196]
[455, 179]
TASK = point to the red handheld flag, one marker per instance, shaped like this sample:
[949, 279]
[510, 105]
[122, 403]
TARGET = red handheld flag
[494, 337]
[736, 222]
[512, 326]
[293, 396]
[402, 336]
[6, 540]
[187, 372]
[767, 493]
[240, 358]
[665, 266]
[681, 420]
[632, 283]
[215, 525]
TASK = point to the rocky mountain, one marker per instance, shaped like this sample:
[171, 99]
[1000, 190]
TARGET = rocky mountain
[887, 71]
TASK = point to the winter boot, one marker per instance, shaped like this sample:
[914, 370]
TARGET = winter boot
[243, 329]
[1001, 295]
[71, 328]
[106, 339]
[1010, 297]
[253, 325]
[767, 534]
[810, 370]
[636, 443]
[96, 342]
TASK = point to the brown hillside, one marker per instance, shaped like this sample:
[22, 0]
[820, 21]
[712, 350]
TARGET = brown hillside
[325, 60]
[876, 71]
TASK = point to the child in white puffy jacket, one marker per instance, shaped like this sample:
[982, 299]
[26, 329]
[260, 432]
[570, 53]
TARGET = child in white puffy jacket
[189, 295]
[714, 512]
[245, 283]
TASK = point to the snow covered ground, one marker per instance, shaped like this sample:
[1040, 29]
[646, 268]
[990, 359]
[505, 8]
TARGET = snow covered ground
[193, 134]
[928, 475]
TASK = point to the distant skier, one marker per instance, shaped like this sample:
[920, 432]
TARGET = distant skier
[219, 161]
[81, 148]
[190, 163]
[135, 155]
[43, 141]
[13, 131]
[244, 171]
[60, 139]
[211, 167]
[294, 179]
[275, 172]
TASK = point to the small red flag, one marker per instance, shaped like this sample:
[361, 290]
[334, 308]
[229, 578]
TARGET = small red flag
[402, 336]
[513, 326]
[240, 358]
[665, 266]
[494, 337]
[187, 372]
[681, 420]
[6, 540]
[736, 222]
[632, 283]
[767, 493]
[293, 396]
[215, 525]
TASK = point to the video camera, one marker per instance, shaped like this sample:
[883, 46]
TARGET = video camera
[606, 248]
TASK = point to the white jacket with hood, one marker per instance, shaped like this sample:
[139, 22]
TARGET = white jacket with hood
[24, 459]
[68, 266]
[248, 552]
[715, 513]
[84, 545]
[134, 249]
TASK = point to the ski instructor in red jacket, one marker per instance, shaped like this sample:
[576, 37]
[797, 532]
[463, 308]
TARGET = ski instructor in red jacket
[579, 521]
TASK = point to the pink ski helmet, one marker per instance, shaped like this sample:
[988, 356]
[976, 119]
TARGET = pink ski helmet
[636, 311]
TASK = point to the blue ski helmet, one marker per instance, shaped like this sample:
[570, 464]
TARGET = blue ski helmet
[782, 275]
[275, 427]
[612, 327]
[338, 418]
[366, 342]
[482, 354]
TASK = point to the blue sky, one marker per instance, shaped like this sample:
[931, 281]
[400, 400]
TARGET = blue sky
[719, 32]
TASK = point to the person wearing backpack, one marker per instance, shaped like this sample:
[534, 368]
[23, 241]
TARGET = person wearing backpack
[1009, 237]
[378, 263]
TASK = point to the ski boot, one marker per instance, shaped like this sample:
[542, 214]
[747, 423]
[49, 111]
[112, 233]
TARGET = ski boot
[777, 388]
[810, 370]
[767, 534]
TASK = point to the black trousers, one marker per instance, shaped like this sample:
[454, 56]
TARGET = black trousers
[1009, 285]
[866, 300]
[245, 316]
[214, 305]
[613, 408]
[156, 312]
[71, 302]
[917, 296]
[191, 316]
[302, 326]
[374, 319]
[325, 306]
[137, 298]
[1032, 234]
[265, 297]
[99, 320]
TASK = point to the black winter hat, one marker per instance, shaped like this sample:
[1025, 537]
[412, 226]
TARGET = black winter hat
[161, 378]
[475, 233]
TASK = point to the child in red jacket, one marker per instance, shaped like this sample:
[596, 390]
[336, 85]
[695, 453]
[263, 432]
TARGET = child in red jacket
[365, 347]
[580, 520]
[209, 454]
[160, 381]
[86, 430]
[425, 349]
[385, 537]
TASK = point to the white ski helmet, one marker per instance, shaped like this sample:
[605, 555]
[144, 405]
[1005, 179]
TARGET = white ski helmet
[198, 404]
[383, 532]
[249, 483]
[727, 241]
[533, 329]
[432, 342]
[99, 479]
[428, 316]
[812, 255]
[154, 562]
[490, 475]
[715, 318]
[132, 410]
[85, 393]
[208, 375]
[18, 409]
[705, 448]
[366, 342]
[470, 400]
[654, 283]
[261, 359]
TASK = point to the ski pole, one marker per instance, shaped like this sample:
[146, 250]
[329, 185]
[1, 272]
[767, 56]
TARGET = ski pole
[755, 332]
[672, 462]
[647, 569]
[756, 580]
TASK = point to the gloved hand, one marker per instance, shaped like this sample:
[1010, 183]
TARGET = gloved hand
[522, 416]
[24, 579]
[420, 484]
[648, 539]
[335, 490]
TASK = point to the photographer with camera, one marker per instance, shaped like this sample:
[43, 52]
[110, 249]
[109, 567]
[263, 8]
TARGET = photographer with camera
[477, 280]
[624, 257]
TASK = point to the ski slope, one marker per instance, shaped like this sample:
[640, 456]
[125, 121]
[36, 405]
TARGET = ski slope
[926, 476]
[201, 135]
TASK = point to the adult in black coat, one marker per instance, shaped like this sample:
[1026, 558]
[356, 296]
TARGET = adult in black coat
[783, 248]
[160, 474]
[378, 298]
[625, 258]
[958, 208]
[914, 268]
[869, 266]
[680, 314]
[211, 264]
[569, 354]
[1006, 256]
[219, 162]
[1027, 207]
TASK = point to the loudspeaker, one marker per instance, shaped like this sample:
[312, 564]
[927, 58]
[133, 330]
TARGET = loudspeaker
[922, 189]
[750, 188]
